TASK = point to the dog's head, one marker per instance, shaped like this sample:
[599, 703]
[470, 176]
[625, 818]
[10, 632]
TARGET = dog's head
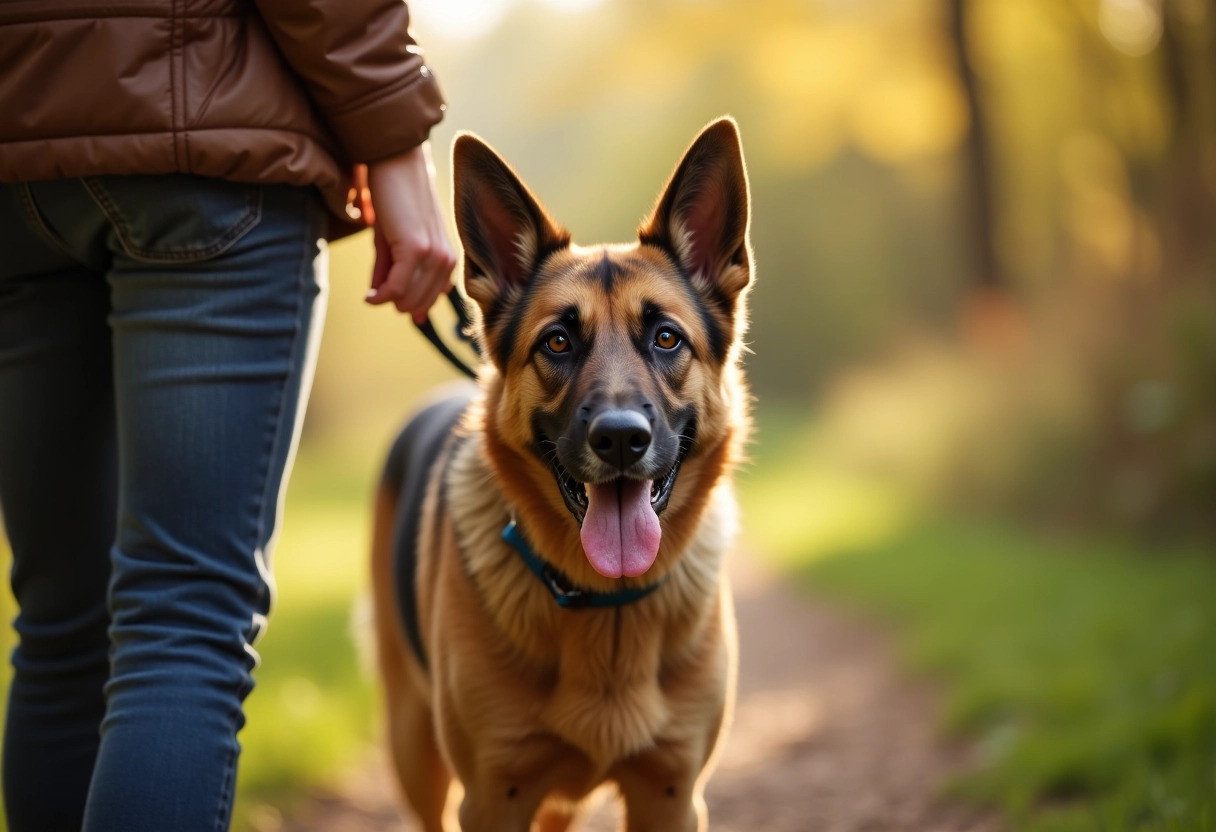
[614, 402]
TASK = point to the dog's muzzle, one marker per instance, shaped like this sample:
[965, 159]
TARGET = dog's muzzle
[619, 437]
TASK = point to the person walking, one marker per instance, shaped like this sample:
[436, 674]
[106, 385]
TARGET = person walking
[169, 173]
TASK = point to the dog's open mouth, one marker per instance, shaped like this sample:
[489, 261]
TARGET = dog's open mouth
[575, 493]
[619, 518]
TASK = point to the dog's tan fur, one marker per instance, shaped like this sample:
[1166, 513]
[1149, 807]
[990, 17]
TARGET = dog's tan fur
[532, 706]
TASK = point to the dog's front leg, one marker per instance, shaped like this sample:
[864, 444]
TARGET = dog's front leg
[495, 806]
[512, 778]
[498, 807]
[661, 792]
[654, 808]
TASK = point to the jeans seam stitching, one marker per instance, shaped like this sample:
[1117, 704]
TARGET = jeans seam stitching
[224, 815]
[298, 344]
[34, 216]
[295, 350]
[253, 215]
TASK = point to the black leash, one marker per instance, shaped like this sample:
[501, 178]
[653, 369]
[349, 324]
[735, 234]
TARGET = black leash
[462, 333]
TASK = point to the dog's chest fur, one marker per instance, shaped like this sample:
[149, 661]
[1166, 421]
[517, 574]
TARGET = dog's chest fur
[593, 678]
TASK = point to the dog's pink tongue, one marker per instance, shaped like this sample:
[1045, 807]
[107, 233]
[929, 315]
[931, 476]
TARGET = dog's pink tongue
[620, 530]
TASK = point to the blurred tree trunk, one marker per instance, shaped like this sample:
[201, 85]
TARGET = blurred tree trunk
[989, 317]
[1187, 203]
[985, 270]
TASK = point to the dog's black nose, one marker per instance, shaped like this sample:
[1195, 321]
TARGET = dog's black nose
[619, 437]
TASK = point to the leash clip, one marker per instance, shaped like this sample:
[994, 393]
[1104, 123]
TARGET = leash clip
[565, 595]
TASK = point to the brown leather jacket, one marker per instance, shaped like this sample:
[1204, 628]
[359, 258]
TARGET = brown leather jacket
[292, 91]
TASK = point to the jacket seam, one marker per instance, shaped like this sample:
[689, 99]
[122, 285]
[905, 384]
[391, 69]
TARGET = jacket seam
[158, 132]
[184, 84]
[119, 14]
[414, 79]
[176, 85]
[177, 162]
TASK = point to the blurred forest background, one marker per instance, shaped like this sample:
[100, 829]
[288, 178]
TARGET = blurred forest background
[984, 357]
[984, 228]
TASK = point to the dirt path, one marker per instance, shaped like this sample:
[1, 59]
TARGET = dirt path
[828, 737]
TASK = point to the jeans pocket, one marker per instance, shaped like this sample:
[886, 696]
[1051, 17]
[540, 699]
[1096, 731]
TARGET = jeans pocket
[176, 218]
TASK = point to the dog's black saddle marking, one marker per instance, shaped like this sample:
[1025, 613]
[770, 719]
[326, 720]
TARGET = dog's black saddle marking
[408, 470]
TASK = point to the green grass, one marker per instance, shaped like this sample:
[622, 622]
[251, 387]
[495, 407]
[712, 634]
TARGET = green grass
[1083, 669]
[1087, 670]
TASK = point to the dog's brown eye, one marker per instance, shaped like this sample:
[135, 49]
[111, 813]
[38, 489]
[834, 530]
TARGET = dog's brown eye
[667, 339]
[558, 342]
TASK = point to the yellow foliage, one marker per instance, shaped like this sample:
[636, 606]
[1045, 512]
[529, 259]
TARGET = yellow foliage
[1097, 205]
[909, 112]
[805, 76]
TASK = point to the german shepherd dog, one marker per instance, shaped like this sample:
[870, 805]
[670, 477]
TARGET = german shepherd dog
[550, 606]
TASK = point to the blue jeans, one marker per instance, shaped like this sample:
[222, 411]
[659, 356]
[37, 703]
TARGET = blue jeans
[157, 341]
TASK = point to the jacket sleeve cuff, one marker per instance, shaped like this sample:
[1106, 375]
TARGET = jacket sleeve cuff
[391, 122]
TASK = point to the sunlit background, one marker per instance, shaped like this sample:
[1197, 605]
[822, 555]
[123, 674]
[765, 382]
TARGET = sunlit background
[984, 358]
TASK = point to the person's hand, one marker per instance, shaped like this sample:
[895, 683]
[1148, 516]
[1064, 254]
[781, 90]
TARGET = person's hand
[414, 258]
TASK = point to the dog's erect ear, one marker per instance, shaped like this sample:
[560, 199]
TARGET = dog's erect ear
[702, 217]
[503, 228]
